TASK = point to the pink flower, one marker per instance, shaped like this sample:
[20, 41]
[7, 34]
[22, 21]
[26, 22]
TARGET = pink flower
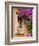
[28, 35]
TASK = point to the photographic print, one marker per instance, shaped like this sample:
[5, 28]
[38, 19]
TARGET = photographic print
[21, 22]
